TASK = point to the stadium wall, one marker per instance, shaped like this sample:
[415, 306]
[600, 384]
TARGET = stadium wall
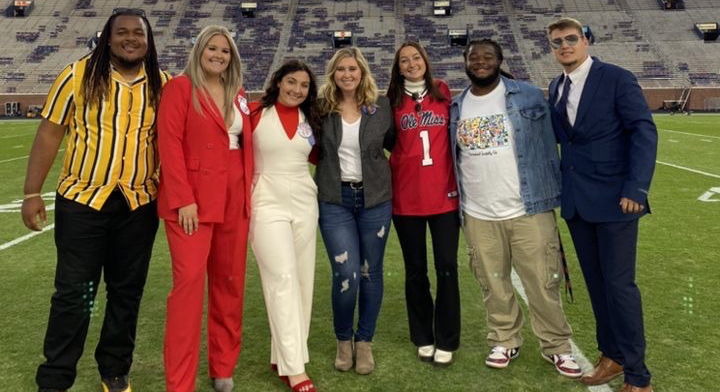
[699, 98]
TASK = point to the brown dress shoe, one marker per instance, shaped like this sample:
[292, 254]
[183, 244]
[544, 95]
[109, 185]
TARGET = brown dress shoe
[605, 370]
[632, 388]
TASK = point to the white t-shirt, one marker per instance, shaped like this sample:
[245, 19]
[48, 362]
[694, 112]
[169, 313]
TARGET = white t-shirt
[349, 152]
[488, 165]
[235, 129]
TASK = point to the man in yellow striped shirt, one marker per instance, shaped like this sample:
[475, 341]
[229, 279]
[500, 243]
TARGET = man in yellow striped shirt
[105, 218]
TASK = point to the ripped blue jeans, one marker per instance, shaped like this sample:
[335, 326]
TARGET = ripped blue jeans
[355, 239]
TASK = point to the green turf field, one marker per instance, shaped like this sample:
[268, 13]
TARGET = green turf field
[678, 274]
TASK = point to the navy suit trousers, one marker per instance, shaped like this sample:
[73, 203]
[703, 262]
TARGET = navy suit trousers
[606, 252]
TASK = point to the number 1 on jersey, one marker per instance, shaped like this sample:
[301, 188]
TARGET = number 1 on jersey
[425, 137]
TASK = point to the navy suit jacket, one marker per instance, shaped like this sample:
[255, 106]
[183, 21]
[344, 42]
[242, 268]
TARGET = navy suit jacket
[610, 151]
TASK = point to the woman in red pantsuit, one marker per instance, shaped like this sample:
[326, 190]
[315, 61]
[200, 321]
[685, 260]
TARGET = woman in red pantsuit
[206, 171]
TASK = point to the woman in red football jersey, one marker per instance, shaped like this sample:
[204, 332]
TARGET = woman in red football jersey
[425, 194]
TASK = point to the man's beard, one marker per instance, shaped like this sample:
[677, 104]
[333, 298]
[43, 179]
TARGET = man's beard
[483, 82]
[125, 63]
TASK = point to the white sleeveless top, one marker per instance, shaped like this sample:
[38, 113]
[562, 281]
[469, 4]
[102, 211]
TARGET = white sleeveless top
[282, 187]
[274, 152]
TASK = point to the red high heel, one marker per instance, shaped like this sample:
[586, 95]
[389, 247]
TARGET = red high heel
[284, 379]
[304, 386]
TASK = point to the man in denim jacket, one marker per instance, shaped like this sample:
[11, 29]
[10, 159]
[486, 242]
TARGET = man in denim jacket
[507, 168]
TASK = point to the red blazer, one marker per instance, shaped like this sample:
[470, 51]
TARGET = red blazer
[194, 154]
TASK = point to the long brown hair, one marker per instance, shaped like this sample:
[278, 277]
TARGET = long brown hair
[396, 88]
[309, 106]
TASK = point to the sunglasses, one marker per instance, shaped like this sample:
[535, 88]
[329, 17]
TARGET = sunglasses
[416, 97]
[128, 11]
[571, 40]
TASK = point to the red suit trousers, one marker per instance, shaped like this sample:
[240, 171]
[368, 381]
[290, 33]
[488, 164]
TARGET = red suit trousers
[218, 251]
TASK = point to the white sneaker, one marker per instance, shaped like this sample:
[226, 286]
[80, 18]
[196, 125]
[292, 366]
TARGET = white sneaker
[442, 357]
[565, 364]
[500, 357]
[425, 353]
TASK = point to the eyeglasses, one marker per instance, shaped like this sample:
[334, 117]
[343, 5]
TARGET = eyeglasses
[128, 11]
[571, 40]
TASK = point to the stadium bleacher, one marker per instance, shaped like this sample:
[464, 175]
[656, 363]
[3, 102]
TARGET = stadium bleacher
[659, 46]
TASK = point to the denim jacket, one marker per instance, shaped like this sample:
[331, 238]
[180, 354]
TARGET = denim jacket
[535, 146]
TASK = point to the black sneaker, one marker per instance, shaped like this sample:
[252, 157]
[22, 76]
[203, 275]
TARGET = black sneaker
[115, 384]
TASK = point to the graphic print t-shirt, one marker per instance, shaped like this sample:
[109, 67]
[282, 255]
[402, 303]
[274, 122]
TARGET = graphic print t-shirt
[488, 165]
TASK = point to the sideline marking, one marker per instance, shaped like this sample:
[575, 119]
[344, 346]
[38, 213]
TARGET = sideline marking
[585, 365]
[26, 237]
[689, 169]
[709, 195]
[688, 133]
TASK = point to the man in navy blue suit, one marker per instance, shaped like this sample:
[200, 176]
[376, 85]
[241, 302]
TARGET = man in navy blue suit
[608, 146]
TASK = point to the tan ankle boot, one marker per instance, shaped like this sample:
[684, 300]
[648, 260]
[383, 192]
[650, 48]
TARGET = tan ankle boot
[364, 362]
[344, 355]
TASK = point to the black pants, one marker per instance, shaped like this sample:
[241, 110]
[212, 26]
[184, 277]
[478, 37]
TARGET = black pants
[606, 252]
[114, 240]
[437, 323]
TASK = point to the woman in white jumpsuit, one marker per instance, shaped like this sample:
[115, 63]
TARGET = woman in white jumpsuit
[284, 215]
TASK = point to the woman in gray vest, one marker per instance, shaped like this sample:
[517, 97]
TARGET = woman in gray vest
[354, 190]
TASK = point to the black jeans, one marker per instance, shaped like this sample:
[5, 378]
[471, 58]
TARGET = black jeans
[424, 317]
[114, 240]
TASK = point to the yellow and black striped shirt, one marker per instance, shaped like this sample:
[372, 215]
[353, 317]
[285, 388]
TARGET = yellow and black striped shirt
[113, 145]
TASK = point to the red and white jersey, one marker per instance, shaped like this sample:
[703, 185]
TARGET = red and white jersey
[422, 174]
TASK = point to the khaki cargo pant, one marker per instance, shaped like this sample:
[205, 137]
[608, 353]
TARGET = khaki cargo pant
[530, 245]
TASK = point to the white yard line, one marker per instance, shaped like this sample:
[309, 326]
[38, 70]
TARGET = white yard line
[12, 136]
[688, 133]
[14, 159]
[577, 353]
[26, 237]
[688, 169]
[23, 157]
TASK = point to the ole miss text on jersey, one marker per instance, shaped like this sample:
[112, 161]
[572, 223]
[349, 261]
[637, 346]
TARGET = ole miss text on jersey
[422, 173]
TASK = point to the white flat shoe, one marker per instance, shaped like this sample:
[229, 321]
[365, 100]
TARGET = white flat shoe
[442, 357]
[425, 353]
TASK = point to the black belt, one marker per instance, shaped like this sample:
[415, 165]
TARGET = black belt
[353, 185]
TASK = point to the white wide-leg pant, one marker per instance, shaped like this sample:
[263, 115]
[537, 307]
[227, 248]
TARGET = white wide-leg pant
[283, 230]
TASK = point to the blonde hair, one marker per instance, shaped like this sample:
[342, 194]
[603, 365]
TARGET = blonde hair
[366, 92]
[565, 23]
[231, 78]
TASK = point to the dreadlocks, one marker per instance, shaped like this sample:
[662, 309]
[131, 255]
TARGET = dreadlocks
[95, 83]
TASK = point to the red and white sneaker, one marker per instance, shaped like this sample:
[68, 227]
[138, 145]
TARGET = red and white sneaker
[565, 364]
[500, 357]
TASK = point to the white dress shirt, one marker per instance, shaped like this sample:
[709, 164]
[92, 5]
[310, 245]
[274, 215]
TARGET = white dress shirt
[578, 78]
